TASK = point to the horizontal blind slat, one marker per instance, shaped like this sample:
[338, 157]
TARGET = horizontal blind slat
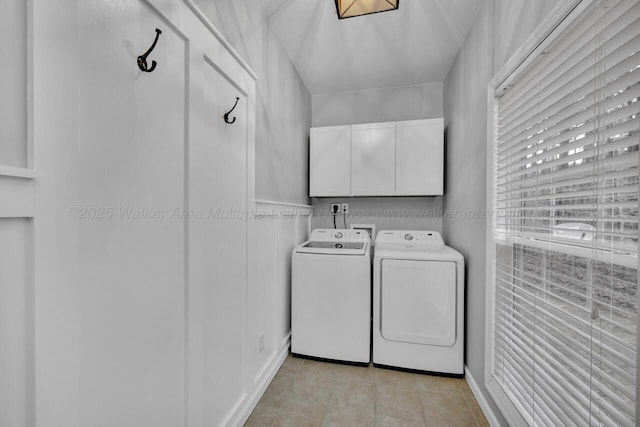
[561, 197]
[565, 146]
[583, 47]
[624, 408]
[548, 312]
[570, 410]
[578, 158]
[583, 359]
[627, 160]
[571, 110]
[582, 32]
[588, 300]
[578, 370]
[559, 184]
[566, 159]
[620, 47]
[562, 141]
[578, 321]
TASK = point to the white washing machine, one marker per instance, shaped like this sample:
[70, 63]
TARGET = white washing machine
[418, 303]
[331, 296]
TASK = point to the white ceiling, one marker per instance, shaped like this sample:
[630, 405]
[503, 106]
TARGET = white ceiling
[415, 44]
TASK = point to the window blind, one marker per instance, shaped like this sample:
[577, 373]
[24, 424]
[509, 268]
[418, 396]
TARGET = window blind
[566, 224]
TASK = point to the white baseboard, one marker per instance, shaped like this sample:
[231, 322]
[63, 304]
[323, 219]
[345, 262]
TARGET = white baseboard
[252, 399]
[481, 399]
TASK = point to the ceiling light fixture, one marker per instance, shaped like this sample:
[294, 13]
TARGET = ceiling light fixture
[351, 8]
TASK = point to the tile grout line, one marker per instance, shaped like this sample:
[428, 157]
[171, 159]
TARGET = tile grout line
[297, 372]
[283, 400]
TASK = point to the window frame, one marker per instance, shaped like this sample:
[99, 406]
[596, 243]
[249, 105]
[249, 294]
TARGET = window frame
[561, 17]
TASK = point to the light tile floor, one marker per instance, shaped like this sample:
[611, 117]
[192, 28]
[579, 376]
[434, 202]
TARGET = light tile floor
[312, 393]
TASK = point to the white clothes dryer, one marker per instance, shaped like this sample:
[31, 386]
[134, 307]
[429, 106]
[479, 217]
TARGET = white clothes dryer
[418, 303]
[331, 296]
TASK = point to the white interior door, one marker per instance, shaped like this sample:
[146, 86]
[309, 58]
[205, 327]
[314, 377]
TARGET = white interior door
[418, 302]
[373, 154]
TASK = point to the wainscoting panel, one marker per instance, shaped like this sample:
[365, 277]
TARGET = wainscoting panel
[273, 232]
[16, 321]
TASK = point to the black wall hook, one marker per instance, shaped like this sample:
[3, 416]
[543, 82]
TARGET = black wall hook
[226, 115]
[142, 59]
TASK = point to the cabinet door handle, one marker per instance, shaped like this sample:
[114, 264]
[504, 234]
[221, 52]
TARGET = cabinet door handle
[142, 59]
[226, 115]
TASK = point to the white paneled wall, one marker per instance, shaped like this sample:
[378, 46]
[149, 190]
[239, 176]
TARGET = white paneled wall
[16, 218]
[273, 233]
[147, 312]
[16, 321]
[14, 40]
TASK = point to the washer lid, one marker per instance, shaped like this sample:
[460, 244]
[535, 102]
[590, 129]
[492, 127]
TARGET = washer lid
[338, 248]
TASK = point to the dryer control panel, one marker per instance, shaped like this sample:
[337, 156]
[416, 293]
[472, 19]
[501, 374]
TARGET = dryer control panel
[410, 239]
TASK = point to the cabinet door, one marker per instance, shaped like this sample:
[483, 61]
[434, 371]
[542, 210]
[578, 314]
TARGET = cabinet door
[329, 161]
[419, 157]
[373, 159]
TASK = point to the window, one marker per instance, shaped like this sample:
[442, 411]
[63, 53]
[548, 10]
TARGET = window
[564, 268]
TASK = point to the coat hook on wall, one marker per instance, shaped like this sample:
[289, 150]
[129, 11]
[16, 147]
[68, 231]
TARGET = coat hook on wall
[226, 115]
[142, 59]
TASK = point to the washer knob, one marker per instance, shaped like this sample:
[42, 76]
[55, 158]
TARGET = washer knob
[338, 245]
[338, 235]
[408, 236]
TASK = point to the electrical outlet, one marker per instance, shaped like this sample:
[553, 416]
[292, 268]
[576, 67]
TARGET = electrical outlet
[335, 208]
[261, 342]
[345, 208]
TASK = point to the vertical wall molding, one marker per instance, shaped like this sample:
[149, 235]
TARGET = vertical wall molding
[17, 343]
[273, 231]
[17, 210]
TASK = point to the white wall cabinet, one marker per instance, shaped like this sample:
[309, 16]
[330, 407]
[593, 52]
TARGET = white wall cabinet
[373, 165]
[330, 161]
[419, 157]
[378, 159]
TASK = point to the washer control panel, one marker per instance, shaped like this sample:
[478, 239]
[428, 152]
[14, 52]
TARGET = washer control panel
[339, 235]
[410, 239]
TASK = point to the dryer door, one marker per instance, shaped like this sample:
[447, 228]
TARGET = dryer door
[418, 301]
